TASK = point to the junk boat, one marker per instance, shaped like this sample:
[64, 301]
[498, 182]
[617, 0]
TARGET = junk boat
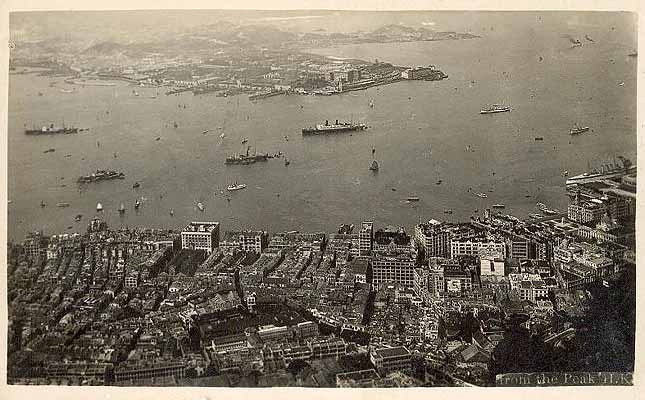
[101, 175]
[137, 204]
[495, 108]
[374, 166]
[99, 207]
[235, 186]
[333, 128]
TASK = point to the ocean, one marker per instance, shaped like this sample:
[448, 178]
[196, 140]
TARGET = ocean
[421, 132]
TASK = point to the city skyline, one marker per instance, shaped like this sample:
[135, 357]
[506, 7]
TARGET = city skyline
[319, 199]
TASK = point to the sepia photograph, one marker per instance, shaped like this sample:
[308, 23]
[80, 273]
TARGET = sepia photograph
[321, 198]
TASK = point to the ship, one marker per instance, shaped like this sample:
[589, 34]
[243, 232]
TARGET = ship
[606, 171]
[578, 129]
[101, 175]
[49, 151]
[247, 158]
[136, 185]
[539, 138]
[495, 108]
[413, 199]
[482, 195]
[62, 205]
[499, 206]
[333, 128]
[99, 207]
[374, 166]
[52, 130]
[235, 186]
[633, 53]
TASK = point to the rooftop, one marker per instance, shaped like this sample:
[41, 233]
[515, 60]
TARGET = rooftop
[201, 227]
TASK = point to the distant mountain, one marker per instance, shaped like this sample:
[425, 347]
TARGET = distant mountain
[104, 49]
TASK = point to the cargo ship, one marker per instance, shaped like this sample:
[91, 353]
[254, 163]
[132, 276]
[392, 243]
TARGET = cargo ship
[246, 159]
[333, 128]
[495, 108]
[576, 130]
[51, 130]
[101, 175]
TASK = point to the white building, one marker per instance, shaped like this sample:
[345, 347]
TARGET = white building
[200, 236]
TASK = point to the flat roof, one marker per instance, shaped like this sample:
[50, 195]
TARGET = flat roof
[392, 351]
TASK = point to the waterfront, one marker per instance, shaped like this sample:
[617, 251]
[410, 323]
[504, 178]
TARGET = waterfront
[418, 129]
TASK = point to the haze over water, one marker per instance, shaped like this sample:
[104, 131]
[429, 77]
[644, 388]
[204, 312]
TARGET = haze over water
[419, 131]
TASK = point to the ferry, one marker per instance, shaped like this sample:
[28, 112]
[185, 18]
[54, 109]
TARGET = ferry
[333, 128]
[495, 108]
[576, 130]
[235, 186]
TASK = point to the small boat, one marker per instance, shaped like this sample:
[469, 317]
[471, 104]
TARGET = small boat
[244, 141]
[136, 185]
[42, 203]
[122, 209]
[200, 206]
[62, 204]
[205, 132]
[235, 186]
[439, 182]
[158, 138]
[633, 54]
[78, 217]
[175, 124]
[222, 136]
[374, 166]
[137, 204]
[539, 138]
[499, 206]
[578, 129]
[482, 195]
[172, 212]
[40, 93]
[565, 173]
[394, 189]
[286, 161]
[99, 207]
[527, 196]
[535, 216]
[49, 151]
[447, 211]
[413, 199]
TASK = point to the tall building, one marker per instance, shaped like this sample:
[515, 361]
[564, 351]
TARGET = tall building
[365, 238]
[200, 236]
[255, 241]
[434, 238]
[475, 247]
[397, 268]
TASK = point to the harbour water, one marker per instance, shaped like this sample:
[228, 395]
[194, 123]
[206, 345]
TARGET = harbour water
[422, 132]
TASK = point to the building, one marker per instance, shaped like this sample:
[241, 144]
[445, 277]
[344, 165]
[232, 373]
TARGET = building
[456, 279]
[393, 269]
[475, 247]
[586, 211]
[200, 236]
[255, 241]
[365, 238]
[434, 238]
[491, 263]
[391, 359]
